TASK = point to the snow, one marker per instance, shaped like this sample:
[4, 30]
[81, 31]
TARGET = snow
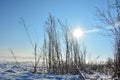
[23, 72]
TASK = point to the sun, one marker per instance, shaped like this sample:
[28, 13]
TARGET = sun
[77, 33]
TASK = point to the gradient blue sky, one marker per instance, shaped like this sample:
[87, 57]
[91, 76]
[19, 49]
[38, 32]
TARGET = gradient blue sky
[35, 12]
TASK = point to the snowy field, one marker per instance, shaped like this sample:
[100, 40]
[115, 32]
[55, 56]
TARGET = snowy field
[23, 72]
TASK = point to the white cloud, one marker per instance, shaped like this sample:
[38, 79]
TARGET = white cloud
[91, 31]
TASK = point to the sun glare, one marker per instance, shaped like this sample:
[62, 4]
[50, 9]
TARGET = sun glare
[77, 33]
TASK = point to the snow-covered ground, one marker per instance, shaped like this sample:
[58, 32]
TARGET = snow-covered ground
[23, 72]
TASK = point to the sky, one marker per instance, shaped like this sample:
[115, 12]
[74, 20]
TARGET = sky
[35, 12]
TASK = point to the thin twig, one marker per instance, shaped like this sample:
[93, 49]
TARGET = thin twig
[14, 57]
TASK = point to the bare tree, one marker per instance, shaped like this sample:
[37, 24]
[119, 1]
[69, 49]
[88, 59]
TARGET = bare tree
[35, 56]
[83, 52]
[66, 38]
[110, 22]
[53, 44]
[44, 51]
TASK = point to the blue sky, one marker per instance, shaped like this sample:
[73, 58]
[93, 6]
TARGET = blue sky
[35, 12]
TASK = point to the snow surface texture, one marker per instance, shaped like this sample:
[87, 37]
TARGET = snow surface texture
[23, 72]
